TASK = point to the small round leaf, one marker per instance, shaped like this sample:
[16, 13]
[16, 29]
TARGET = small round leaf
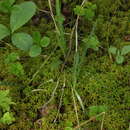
[35, 51]
[22, 41]
[112, 50]
[119, 59]
[45, 41]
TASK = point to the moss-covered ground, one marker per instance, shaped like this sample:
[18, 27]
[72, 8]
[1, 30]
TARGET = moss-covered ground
[100, 82]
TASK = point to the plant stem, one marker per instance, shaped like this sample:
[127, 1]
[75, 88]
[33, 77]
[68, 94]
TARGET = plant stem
[60, 20]
[92, 118]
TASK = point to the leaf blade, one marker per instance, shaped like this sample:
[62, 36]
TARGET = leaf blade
[21, 14]
[45, 41]
[125, 50]
[35, 51]
[4, 31]
[112, 50]
[79, 99]
[23, 41]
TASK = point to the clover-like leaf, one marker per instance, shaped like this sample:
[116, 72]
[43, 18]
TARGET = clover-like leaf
[21, 14]
[22, 41]
[125, 50]
[35, 51]
[79, 99]
[45, 41]
[112, 50]
[36, 37]
[4, 31]
[92, 42]
[119, 59]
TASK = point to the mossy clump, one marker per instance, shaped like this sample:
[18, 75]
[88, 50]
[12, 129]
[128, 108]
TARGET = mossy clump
[100, 82]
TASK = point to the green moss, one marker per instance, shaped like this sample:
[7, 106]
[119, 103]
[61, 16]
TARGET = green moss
[100, 82]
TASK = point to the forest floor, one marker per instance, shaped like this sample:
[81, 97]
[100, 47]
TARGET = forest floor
[90, 88]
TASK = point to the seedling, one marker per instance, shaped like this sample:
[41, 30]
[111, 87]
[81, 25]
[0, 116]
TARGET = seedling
[89, 42]
[119, 53]
[20, 14]
[40, 42]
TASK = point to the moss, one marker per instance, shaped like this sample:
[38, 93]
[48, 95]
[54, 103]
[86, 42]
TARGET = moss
[100, 82]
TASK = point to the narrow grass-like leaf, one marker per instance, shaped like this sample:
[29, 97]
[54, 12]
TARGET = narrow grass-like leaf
[79, 98]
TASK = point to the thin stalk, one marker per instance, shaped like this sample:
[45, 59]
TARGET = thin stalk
[60, 20]
[61, 98]
[52, 15]
[75, 107]
[82, 124]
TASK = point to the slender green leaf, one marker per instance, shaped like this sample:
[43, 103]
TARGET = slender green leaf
[79, 98]
[21, 14]
[22, 41]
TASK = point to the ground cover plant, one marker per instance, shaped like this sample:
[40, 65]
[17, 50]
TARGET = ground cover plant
[64, 65]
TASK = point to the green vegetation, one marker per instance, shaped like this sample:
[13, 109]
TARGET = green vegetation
[120, 53]
[64, 65]
[5, 102]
